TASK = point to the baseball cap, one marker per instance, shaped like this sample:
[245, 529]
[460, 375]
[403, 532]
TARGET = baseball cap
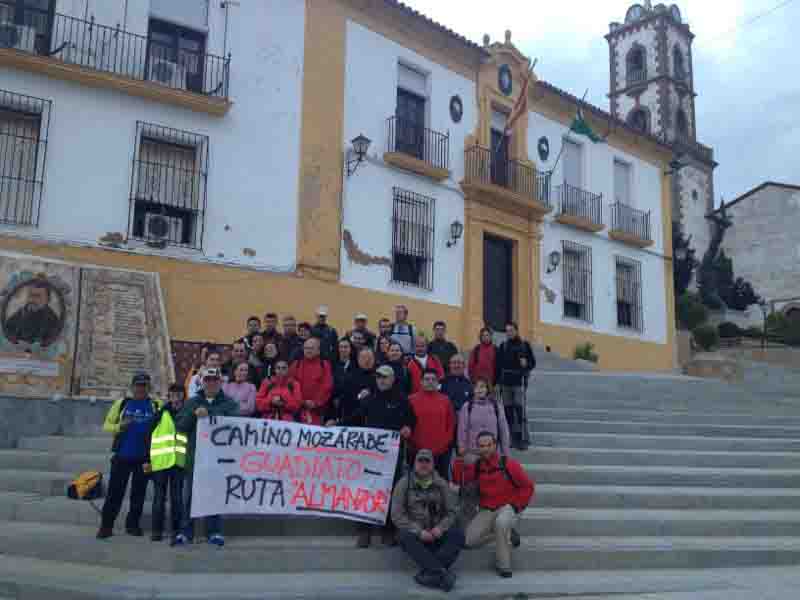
[385, 371]
[211, 373]
[424, 453]
[322, 311]
[140, 378]
[360, 317]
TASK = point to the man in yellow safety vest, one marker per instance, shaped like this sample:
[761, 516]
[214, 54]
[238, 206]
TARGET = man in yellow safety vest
[167, 460]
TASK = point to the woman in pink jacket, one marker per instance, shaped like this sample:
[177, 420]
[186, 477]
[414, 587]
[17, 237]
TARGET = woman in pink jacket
[241, 390]
[482, 414]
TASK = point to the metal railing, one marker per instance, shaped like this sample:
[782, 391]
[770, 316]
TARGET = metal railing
[427, 145]
[113, 50]
[627, 219]
[580, 203]
[481, 165]
[636, 76]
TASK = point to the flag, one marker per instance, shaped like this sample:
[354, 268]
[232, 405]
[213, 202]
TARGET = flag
[581, 127]
[521, 105]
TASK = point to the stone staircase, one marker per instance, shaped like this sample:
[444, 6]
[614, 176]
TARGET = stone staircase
[634, 473]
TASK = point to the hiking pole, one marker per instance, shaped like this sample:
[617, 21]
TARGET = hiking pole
[524, 416]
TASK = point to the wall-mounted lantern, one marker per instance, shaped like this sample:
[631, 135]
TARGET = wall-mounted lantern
[456, 231]
[359, 152]
[553, 261]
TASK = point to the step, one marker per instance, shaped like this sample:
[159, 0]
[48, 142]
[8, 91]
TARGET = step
[78, 445]
[678, 498]
[560, 439]
[663, 458]
[46, 483]
[670, 429]
[331, 554]
[39, 460]
[664, 476]
[662, 416]
[10, 503]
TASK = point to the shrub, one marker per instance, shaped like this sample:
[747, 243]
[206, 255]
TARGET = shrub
[706, 337]
[691, 312]
[754, 332]
[729, 330]
[586, 352]
[777, 323]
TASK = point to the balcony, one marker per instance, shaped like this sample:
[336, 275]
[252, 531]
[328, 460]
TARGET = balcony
[110, 57]
[506, 181]
[636, 77]
[630, 226]
[417, 148]
[579, 208]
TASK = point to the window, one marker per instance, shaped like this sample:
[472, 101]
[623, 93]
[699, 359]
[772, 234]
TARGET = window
[681, 125]
[412, 239]
[629, 294]
[26, 24]
[24, 122]
[573, 164]
[410, 112]
[638, 119]
[622, 182]
[170, 173]
[636, 65]
[577, 281]
[677, 64]
[176, 56]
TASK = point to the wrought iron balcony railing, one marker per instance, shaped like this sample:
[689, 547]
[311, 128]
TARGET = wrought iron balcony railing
[576, 202]
[113, 50]
[483, 166]
[636, 76]
[408, 137]
[628, 220]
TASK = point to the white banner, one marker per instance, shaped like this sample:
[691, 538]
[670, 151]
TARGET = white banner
[251, 467]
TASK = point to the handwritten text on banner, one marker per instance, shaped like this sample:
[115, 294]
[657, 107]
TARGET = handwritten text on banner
[249, 466]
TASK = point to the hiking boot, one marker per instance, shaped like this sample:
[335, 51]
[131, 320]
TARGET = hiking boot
[364, 539]
[505, 573]
[134, 531]
[447, 580]
[515, 539]
[388, 538]
[157, 537]
[104, 533]
[216, 540]
[428, 579]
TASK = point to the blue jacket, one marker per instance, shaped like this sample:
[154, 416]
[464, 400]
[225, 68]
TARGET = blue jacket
[459, 389]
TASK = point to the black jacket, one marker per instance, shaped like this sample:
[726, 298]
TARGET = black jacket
[290, 347]
[459, 389]
[350, 406]
[385, 410]
[329, 340]
[510, 371]
[444, 350]
[341, 382]
[402, 378]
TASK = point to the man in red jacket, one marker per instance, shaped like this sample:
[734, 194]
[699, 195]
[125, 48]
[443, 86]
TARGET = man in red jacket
[316, 382]
[421, 362]
[435, 422]
[505, 491]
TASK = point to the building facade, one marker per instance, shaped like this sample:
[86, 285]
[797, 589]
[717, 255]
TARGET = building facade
[218, 153]
[652, 89]
[764, 243]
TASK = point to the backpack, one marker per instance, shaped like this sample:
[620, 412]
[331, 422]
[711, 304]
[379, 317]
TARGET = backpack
[497, 420]
[86, 486]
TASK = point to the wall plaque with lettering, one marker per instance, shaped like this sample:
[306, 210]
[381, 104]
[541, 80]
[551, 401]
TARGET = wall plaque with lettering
[122, 329]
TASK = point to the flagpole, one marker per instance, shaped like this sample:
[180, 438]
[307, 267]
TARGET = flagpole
[560, 152]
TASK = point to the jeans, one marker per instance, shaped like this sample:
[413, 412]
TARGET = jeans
[494, 525]
[439, 554]
[122, 470]
[169, 481]
[213, 523]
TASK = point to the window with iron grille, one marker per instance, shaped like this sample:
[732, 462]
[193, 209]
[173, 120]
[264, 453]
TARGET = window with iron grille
[24, 123]
[629, 294]
[412, 239]
[577, 281]
[168, 186]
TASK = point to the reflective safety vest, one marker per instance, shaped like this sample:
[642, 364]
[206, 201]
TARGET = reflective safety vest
[167, 446]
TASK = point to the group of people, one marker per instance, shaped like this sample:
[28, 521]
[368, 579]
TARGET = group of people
[458, 417]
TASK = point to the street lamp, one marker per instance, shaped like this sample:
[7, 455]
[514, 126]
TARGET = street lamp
[681, 254]
[553, 259]
[360, 148]
[763, 305]
[456, 231]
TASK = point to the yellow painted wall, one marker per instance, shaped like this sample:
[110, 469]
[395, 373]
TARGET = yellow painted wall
[211, 302]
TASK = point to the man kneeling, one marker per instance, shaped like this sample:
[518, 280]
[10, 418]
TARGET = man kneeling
[505, 491]
[424, 512]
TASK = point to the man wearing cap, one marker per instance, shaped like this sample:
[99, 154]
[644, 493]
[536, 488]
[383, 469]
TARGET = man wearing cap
[360, 325]
[131, 421]
[210, 401]
[329, 339]
[424, 511]
[388, 409]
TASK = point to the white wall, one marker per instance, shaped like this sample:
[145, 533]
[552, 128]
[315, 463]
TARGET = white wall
[370, 99]
[599, 179]
[254, 150]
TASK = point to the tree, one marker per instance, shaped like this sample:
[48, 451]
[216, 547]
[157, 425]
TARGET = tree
[707, 274]
[742, 295]
[682, 270]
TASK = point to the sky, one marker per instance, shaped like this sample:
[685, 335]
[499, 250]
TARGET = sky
[745, 64]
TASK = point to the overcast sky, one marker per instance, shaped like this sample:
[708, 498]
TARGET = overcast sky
[746, 73]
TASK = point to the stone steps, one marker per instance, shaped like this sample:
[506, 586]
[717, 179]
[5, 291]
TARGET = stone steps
[671, 429]
[616, 441]
[748, 419]
[329, 554]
